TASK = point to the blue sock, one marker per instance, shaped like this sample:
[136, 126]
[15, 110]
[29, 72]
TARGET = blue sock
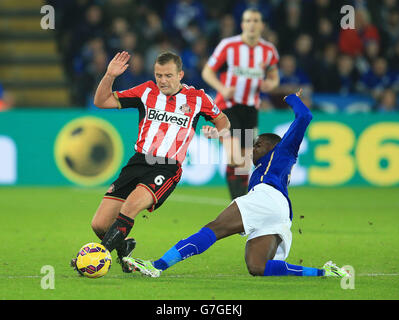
[195, 244]
[282, 268]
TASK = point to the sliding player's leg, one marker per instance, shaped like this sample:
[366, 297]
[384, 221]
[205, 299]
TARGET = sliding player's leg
[260, 250]
[259, 255]
[265, 214]
[227, 223]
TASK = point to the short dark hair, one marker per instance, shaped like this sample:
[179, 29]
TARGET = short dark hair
[253, 10]
[168, 56]
[271, 138]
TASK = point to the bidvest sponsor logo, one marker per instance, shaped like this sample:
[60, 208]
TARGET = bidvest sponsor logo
[168, 117]
[252, 73]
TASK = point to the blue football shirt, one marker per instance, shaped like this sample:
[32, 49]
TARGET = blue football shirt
[274, 168]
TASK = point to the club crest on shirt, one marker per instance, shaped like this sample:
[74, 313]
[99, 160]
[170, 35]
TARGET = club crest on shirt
[185, 108]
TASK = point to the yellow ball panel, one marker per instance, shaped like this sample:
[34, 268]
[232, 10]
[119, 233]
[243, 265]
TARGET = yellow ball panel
[93, 260]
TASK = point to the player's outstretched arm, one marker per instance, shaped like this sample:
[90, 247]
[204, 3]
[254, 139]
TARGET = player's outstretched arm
[104, 97]
[295, 133]
[300, 109]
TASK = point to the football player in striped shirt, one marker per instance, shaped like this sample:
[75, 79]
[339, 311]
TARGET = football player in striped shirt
[168, 114]
[247, 64]
[264, 214]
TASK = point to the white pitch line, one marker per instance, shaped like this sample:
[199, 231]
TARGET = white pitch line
[377, 274]
[196, 276]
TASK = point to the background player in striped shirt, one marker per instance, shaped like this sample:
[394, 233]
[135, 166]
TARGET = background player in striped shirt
[168, 115]
[264, 214]
[247, 65]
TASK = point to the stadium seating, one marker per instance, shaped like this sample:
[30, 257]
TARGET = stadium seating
[30, 64]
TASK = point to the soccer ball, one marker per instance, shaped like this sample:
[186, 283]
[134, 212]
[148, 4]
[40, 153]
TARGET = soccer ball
[93, 260]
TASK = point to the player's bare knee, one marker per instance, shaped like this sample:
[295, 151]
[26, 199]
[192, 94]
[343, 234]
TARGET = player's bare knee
[256, 269]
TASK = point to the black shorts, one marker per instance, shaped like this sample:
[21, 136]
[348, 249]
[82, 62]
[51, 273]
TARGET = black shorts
[243, 117]
[159, 179]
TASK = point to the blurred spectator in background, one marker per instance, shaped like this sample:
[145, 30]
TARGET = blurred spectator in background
[226, 28]
[379, 10]
[387, 102]
[68, 15]
[119, 27]
[92, 26]
[378, 78]
[326, 78]
[190, 34]
[320, 8]
[153, 27]
[180, 15]
[162, 43]
[6, 100]
[352, 41]
[325, 33]
[371, 52]
[128, 42]
[393, 57]
[347, 75]
[328, 59]
[291, 79]
[392, 27]
[132, 11]
[193, 59]
[134, 75]
[290, 12]
[304, 56]
[82, 82]
[87, 80]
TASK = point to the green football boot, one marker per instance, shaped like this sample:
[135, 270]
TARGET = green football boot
[332, 270]
[145, 267]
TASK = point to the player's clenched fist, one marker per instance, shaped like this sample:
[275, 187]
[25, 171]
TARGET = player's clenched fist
[118, 64]
[210, 132]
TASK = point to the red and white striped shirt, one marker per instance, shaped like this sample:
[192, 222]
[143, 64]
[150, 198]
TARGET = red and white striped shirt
[167, 123]
[241, 67]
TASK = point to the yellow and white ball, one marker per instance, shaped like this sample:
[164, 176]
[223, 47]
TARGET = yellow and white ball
[93, 260]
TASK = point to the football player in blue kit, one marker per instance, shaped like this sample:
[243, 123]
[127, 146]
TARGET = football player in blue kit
[264, 214]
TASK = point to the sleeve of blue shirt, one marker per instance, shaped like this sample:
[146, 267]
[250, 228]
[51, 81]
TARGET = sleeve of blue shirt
[295, 133]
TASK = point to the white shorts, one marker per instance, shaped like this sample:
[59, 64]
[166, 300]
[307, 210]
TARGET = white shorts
[265, 210]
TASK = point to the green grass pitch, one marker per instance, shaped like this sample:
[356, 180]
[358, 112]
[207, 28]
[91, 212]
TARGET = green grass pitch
[351, 226]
